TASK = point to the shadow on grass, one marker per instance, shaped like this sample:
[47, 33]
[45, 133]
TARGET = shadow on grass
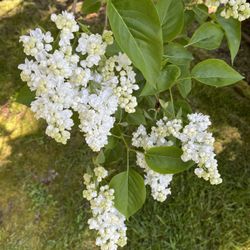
[42, 183]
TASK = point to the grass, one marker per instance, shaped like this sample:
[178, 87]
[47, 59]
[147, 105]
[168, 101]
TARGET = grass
[41, 205]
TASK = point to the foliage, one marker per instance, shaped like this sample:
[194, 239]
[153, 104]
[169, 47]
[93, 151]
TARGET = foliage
[155, 38]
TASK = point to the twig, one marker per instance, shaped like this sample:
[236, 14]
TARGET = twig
[106, 18]
[74, 6]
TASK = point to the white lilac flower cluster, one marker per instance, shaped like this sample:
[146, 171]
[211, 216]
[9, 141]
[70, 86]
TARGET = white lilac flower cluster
[81, 80]
[197, 145]
[118, 70]
[164, 128]
[107, 220]
[237, 9]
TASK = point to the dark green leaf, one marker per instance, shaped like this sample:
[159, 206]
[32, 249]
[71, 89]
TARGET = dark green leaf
[177, 54]
[208, 36]
[112, 49]
[25, 96]
[130, 192]
[137, 29]
[90, 6]
[201, 13]
[185, 82]
[168, 109]
[136, 118]
[189, 17]
[167, 78]
[148, 89]
[112, 155]
[171, 15]
[166, 160]
[232, 28]
[186, 108]
[100, 158]
[216, 73]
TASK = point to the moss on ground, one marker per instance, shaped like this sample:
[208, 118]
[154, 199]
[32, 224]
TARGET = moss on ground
[41, 205]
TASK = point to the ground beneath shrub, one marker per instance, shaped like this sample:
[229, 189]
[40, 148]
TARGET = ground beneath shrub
[41, 205]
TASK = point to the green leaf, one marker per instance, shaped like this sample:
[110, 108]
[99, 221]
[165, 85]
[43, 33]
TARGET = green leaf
[90, 6]
[167, 78]
[232, 28]
[216, 73]
[177, 54]
[171, 13]
[136, 118]
[112, 155]
[168, 109]
[100, 158]
[185, 85]
[148, 89]
[186, 108]
[112, 49]
[25, 96]
[208, 36]
[166, 160]
[201, 13]
[130, 192]
[189, 17]
[137, 30]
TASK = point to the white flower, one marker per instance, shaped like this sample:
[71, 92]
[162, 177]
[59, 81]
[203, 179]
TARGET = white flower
[159, 183]
[237, 9]
[37, 44]
[108, 36]
[124, 84]
[107, 220]
[197, 145]
[93, 46]
[85, 82]
[96, 118]
[65, 21]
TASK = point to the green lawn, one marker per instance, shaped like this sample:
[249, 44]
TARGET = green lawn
[41, 204]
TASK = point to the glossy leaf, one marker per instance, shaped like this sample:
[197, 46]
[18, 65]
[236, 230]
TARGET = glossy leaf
[137, 29]
[166, 160]
[216, 73]
[208, 36]
[171, 15]
[232, 28]
[130, 192]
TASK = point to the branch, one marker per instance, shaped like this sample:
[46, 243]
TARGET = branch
[74, 6]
